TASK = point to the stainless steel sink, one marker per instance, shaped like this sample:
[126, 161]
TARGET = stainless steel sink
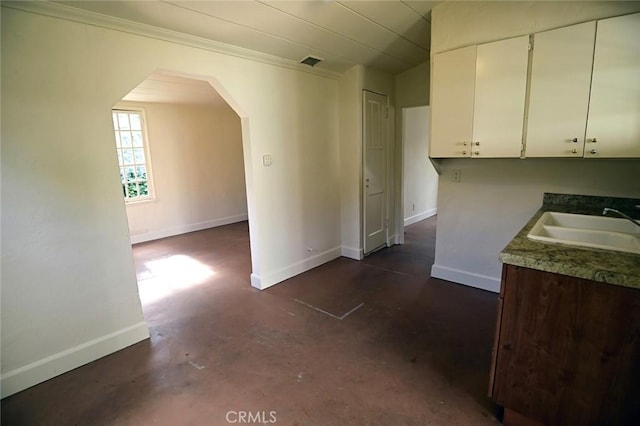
[587, 231]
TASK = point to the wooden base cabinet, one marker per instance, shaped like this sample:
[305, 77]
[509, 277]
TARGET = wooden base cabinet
[566, 350]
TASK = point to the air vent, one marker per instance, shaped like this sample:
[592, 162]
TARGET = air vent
[310, 60]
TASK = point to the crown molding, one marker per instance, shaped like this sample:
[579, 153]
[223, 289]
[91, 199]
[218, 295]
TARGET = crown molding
[68, 13]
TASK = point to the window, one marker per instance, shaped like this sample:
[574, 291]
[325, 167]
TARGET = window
[132, 155]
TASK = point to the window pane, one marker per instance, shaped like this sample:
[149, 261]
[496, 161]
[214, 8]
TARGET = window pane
[123, 120]
[137, 138]
[138, 155]
[130, 174]
[127, 156]
[144, 191]
[130, 148]
[135, 121]
[132, 190]
[141, 172]
[125, 139]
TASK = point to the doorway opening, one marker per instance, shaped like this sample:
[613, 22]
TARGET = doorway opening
[419, 176]
[194, 181]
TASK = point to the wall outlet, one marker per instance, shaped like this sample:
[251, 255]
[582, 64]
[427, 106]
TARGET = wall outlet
[457, 175]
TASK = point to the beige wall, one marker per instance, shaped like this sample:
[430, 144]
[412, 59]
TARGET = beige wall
[198, 170]
[478, 216]
[351, 83]
[412, 87]
[69, 291]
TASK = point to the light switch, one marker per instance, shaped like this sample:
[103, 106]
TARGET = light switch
[267, 160]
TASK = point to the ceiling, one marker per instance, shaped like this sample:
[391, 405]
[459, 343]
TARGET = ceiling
[389, 35]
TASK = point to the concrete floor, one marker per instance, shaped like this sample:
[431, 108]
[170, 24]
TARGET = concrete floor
[375, 342]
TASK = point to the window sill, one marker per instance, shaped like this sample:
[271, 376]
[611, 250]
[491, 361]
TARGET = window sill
[139, 201]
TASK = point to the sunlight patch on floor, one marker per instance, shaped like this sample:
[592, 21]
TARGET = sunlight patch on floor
[169, 275]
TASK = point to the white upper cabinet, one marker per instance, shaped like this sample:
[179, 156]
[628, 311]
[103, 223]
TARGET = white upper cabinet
[478, 99]
[582, 99]
[500, 90]
[559, 92]
[613, 127]
[452, 103]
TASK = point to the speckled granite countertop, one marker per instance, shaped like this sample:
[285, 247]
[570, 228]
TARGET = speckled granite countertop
[613, 267]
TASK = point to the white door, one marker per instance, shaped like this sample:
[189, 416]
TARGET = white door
[374, 177]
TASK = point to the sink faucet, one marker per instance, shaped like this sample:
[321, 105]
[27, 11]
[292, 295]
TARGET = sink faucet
[619, 213]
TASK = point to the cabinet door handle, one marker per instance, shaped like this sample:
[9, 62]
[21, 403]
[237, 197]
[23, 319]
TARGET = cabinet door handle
[594, 140]
[574, 151]
[574, 140]
[464, 152]
[593, 151]
[476, 153]
[477, 143]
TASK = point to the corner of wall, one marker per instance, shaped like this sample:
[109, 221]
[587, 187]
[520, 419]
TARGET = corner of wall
[56, 364]
[467, 278]
[274, 277]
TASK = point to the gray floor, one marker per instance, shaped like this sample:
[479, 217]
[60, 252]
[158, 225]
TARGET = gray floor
[375, 342]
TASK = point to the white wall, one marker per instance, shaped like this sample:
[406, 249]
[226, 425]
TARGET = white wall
[69, 291]
[198, 170]
[478, 216]
[351, 83]
[420, 179]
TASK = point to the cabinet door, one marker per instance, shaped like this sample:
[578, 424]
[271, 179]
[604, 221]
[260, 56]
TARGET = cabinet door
[613, 128]
[567, 349]
[500, 89]
[559, 93]
[452, 103]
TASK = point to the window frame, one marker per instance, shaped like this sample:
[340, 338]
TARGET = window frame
[147, 153]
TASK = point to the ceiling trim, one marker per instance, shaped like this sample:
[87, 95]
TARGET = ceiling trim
[61, 11]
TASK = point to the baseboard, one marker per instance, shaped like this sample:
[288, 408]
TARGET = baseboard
[352, 253]
[467, 278]
[256, 281]
[267, 280]
[420, 216]
[37, 372]
[170, 232]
